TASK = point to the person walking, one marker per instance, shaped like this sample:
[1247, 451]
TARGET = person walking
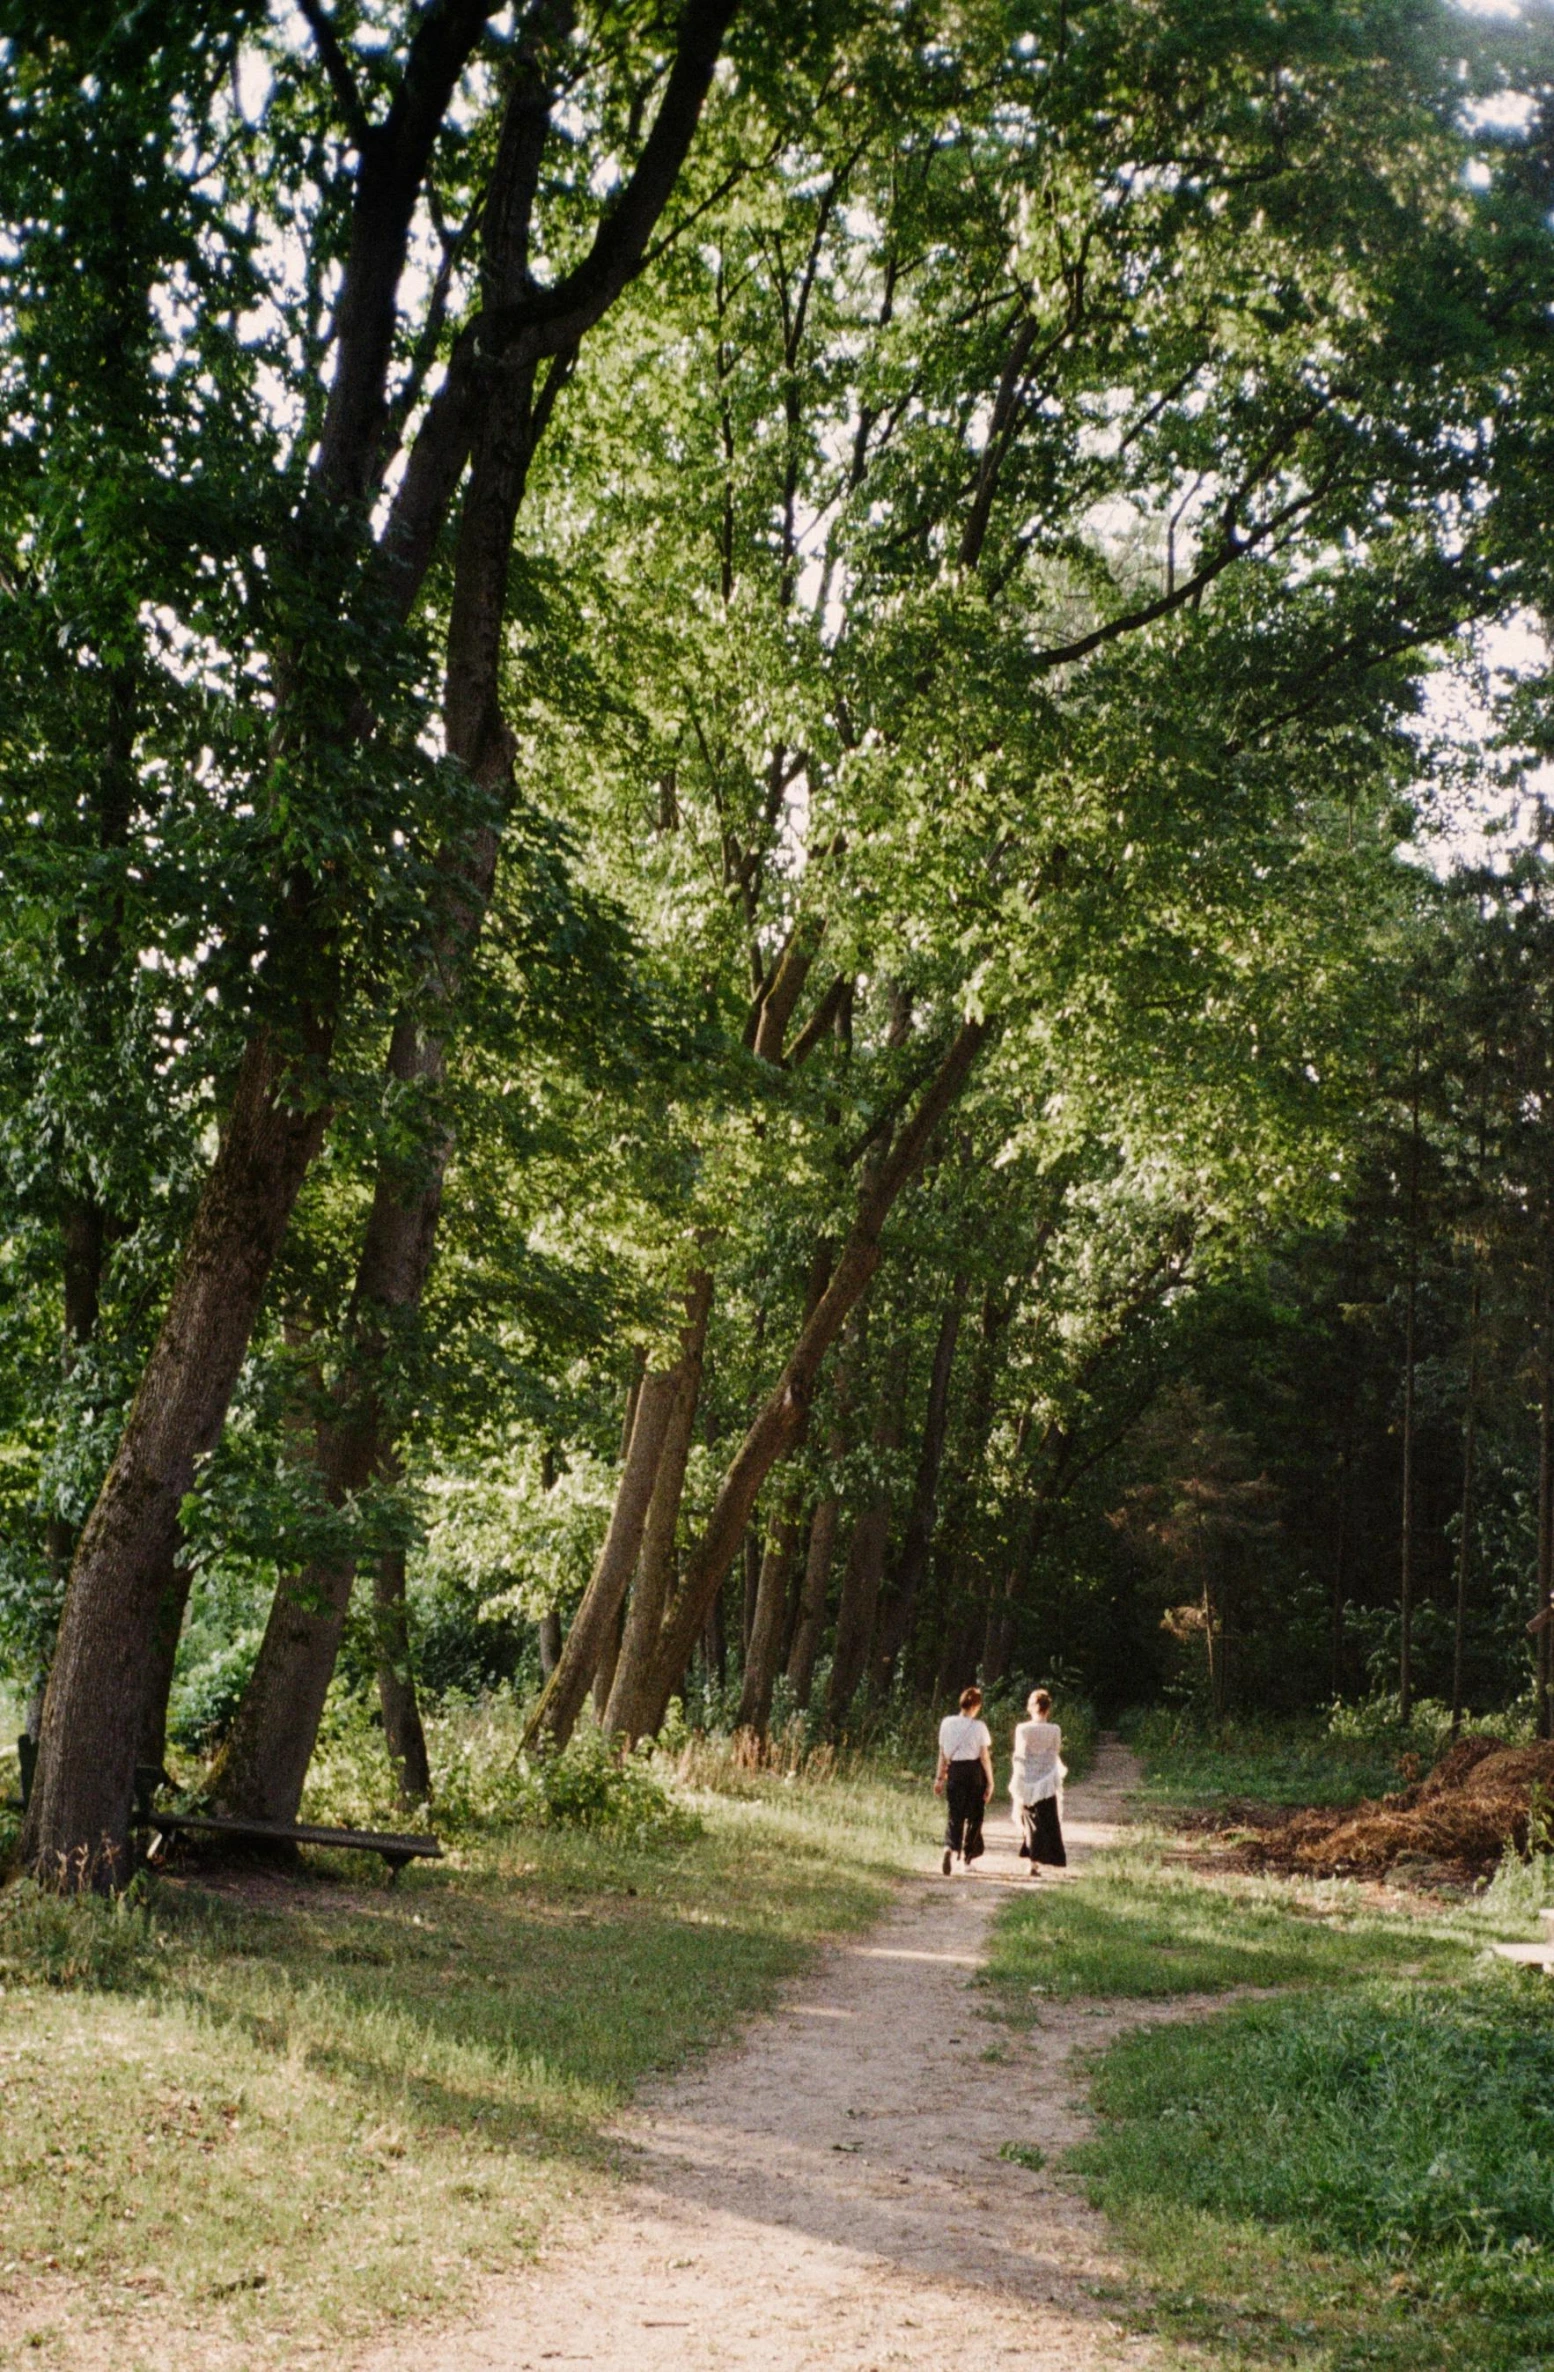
[964, 1778]
[1036, 1777]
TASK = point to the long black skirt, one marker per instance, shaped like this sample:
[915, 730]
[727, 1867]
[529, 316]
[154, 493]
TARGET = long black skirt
[965, 1801]
[1043, 1833]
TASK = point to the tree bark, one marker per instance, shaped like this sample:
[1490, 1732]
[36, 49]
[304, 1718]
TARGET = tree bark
[780, 1422]
[1410, 1375]
[263, 1766]
[811, 1625]
[550, 1642]
[1464, 1550]
[555, 1716]
[651, 1584]
[902, 1605]
[99, 1688]
[164, 1658]
[403, 1732]
[771, 1606]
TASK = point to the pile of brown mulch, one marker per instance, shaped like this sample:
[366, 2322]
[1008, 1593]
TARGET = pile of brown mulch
[1474, 1803]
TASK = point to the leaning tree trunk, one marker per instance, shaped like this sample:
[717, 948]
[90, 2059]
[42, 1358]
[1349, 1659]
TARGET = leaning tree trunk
[77, 1821]
[555, 1716]
[779, 1424]
[651, 1584]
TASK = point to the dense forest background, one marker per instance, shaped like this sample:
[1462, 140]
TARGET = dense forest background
[779, 917]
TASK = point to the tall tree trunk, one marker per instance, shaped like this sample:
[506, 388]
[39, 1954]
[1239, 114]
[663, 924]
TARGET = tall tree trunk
[1339, 1593]
[403, 1733]
[780, 1422]
[809, 1630]
[1545, 1495]
[896, 1621]
[263, 1766]
[101, 1680]
[751, 1564]
[164, 1657]
[550, 1642]
[1465, 1518]
[763, 1646]
[810, 1627]
[1410, 1363]
[651, 1584]
[765, 1649]
[554, 1718]
[604, 1678]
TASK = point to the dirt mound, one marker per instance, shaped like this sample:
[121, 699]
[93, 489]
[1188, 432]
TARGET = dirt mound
[1475, 1802]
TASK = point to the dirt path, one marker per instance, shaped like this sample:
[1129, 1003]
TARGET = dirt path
[830, 2193]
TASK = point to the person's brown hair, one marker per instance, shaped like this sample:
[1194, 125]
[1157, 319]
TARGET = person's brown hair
[1042, 1702]
[970, 1697]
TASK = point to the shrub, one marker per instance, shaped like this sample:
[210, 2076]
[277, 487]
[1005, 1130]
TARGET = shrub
[107, 1944]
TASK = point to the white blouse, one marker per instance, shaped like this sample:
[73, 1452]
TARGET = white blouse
[1038, 1770]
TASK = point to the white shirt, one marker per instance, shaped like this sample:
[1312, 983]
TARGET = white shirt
[1037, 1770]
[962, 1737]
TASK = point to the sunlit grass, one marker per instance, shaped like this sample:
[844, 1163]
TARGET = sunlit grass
[270, 2125]
[1130, 1926]
[1343, 2180]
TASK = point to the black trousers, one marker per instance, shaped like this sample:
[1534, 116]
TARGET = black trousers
[1043, 1833]
[965, 1800]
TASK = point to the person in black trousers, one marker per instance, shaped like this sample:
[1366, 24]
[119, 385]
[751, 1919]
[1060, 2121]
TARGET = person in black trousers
[964, 1778]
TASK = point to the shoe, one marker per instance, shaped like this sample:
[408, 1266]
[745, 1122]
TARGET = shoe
[948, 1861]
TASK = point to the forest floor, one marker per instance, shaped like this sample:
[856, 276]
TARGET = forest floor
[841, 2190]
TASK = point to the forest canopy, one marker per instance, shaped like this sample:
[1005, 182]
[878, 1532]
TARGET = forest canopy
[777, 887]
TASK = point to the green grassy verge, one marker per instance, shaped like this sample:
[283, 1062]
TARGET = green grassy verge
[1188, 1768]
[1358, 2173]
[267, 2123]
[1134, 1928]
[1361, 2180]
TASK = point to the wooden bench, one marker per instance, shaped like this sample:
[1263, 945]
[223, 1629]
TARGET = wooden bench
[395, 1849]
[150, 1779]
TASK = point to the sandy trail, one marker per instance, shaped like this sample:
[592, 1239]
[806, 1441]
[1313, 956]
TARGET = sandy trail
[830, 2192]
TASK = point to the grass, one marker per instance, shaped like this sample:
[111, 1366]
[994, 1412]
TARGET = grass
[1135, 1928]
[1359, 2179]
[1190, 1768]
[270, 2123]
[1356, 2175]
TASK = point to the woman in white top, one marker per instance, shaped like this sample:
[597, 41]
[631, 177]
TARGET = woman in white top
[1036, 1779]
[964, 1778]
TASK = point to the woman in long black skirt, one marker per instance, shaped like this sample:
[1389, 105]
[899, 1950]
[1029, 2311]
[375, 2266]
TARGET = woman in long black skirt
[1036, 1779]
[964, 1778]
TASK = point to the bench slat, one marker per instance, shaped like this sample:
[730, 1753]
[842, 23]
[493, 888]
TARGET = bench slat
[297, 1833]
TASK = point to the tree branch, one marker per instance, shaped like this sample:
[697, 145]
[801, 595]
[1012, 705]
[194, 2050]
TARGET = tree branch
[336, 65]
